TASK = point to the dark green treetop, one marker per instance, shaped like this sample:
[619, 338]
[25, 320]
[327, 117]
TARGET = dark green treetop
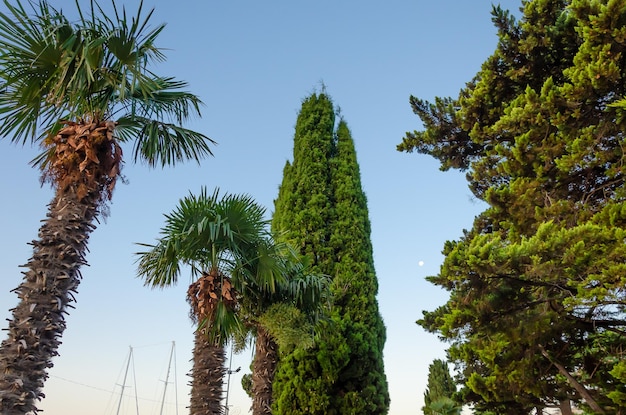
[303, 205]
[322, 209]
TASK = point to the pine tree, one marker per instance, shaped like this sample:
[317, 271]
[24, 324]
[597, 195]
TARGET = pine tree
[322, 209]
[536, 312]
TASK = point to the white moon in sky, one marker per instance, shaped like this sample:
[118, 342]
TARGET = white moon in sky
[421, 263]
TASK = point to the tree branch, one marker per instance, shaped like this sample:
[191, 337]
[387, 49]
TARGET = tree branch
[573, 382]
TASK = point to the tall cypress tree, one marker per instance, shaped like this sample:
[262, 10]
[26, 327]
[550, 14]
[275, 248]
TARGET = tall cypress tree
[304, 204]
[322, 209]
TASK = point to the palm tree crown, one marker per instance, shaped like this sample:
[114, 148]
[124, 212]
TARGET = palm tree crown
[217, 238]
[96, 69]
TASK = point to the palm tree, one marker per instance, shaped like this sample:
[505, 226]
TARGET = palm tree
[445, 406]
[280, 318]
[221, 241]
[80, 90]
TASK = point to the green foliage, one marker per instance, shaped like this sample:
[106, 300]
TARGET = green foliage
[288, 301]
[96, 68]
[289, 326]
[303, 205]
[322, 210]
[536, 311]
[246, 384]
[618, 374]
[444, 406]
[440, 390]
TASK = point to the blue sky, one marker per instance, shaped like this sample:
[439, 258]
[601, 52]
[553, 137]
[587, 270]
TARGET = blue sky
[252, 63]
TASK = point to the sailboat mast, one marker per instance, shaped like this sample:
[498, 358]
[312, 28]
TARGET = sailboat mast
[119, 405]
[175, 381]
[167, 376]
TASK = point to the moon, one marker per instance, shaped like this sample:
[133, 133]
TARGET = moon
[421, 263]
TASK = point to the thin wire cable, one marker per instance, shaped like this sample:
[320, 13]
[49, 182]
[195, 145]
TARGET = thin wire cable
[103, 390]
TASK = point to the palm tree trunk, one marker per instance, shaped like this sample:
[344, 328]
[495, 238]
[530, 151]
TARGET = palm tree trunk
[207, 377]
[84, 167]
[264, 367]
[46, 291]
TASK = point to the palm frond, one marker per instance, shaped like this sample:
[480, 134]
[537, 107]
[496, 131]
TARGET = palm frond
[161, 143]
[152, 96]
[288, 326]
[27, 62]
[224, 325]
[309, 291]
[159, 266]
[93, 68]
[205, 231]
[265, 270]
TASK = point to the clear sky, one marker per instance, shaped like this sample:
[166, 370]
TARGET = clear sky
[252, 63]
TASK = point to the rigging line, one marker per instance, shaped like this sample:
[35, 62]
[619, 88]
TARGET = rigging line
[105, 390]
[81, 384]
[152, 345]
[119, 376]
[122, 394]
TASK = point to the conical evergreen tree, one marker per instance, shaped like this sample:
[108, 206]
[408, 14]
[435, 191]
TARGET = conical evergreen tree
[322, 209]
[441, 386]
[303, 207]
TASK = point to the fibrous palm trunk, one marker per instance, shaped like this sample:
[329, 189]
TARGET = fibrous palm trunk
[264, 367]
[207, 375]
[46, 291]
[83, 168]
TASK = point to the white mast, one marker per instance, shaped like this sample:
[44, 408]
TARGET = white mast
[167, 376]
[130, 354]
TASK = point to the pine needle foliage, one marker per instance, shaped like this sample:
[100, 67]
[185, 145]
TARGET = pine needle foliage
[537, 309]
